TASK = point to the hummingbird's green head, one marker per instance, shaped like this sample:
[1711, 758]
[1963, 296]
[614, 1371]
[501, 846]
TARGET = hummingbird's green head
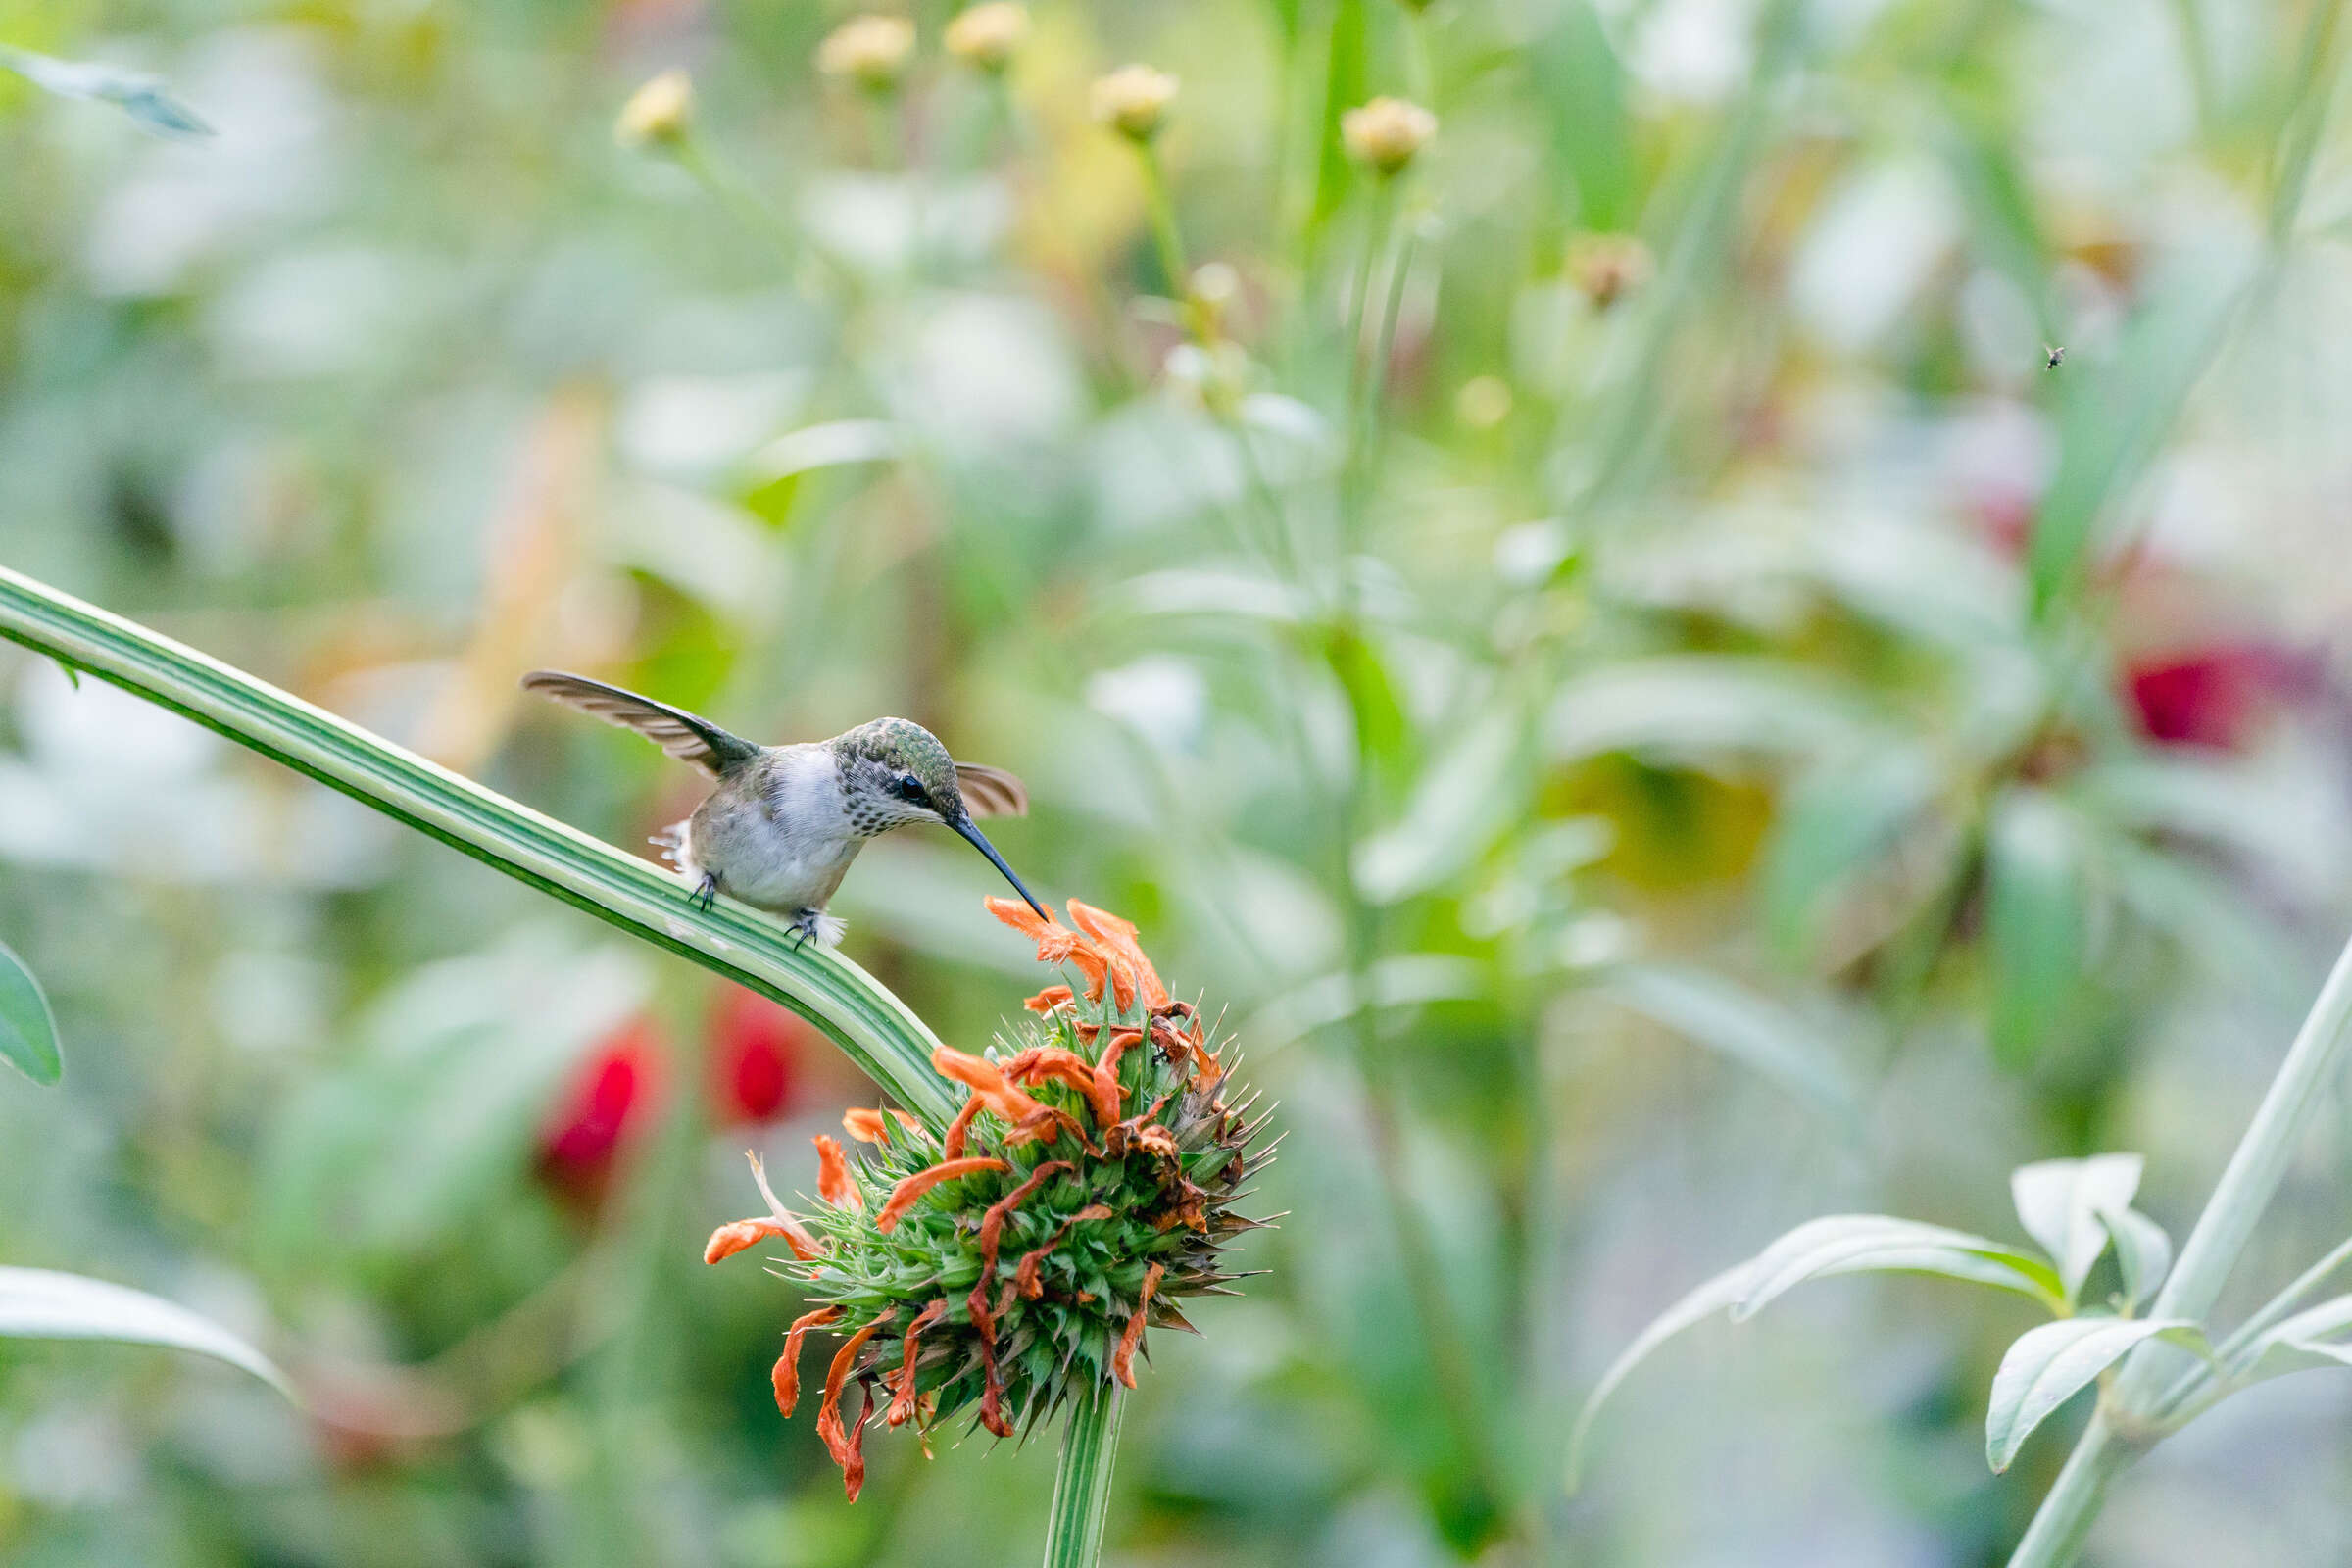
[894, 771]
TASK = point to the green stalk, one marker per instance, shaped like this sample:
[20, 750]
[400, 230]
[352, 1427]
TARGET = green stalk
[2115, 1437]
[871, 1026]
[1090, 1445]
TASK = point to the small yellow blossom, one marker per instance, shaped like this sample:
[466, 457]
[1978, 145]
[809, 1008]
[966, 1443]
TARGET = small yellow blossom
[1134, 99]
[987, 36]
[1384, 134]
[870, 51]
[657, 114]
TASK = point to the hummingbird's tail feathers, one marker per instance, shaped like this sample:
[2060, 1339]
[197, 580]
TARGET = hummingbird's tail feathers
[677, 732]
[672, 842]
[991, 791]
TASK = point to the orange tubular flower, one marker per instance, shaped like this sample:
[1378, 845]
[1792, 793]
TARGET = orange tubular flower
[902, 1399]
[833, 1183]
[1050, 1061]
[865, 1124]
[1122, 1362]
[728, 1240]
[1129, 967]
[841, 1444]
[986, 1080]
[787, 1375]
[1048, 999]
[950, 1142]
[1056, 943]
[904, 1196]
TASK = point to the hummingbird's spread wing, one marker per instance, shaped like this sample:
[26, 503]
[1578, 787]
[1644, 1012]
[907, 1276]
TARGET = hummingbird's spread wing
[680, 733]
[991, 791]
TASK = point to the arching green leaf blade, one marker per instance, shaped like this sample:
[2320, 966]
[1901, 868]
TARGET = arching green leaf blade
[27, 1029]
[41, 1303]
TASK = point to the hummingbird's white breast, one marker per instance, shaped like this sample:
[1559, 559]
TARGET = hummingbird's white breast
[777, 834]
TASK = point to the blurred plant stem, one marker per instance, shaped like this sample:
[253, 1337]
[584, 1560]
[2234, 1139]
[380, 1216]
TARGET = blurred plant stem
[1090, 1445]
[2127, 1420]
[875, 1029]
[736, 196]
[634, 1368]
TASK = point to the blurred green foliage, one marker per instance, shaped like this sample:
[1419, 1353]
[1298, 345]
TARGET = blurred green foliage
[1727, 736]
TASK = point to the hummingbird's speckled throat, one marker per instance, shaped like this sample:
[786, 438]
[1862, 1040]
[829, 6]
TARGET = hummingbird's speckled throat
[782, 824]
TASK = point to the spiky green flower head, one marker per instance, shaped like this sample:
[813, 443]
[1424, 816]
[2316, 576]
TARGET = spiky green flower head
[1021, 1253]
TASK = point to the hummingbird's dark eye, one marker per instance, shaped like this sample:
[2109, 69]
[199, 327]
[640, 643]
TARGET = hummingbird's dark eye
[910, 789]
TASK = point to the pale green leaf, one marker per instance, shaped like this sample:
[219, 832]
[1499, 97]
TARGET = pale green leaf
[1459, 804]
[2060, 1203]
[1754, 1031]
[1703, 708]
[2038, 915]
[1855, 1244]
[1707, 1299]
[142, 97]
[27, 1029]
[1833, 828]
[38, 1303]
[2144, 1253]
[2051, 1364]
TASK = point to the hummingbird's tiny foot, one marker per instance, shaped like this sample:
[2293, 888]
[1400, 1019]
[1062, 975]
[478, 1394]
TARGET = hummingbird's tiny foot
[706, 892]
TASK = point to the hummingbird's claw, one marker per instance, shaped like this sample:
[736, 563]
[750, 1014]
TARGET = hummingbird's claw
[706, 892]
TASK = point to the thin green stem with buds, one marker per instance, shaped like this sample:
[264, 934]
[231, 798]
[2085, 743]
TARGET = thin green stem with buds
[2127, 1418]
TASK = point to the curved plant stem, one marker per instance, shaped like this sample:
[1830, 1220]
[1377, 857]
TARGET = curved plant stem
[1090, 1444]
[871, 1026]
[2221, 1231]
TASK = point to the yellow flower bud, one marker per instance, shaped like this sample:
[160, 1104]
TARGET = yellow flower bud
[870, 51]
[1134, 99]
[1607, 266]
[1384, 134]
[986, 37]
[657, 114]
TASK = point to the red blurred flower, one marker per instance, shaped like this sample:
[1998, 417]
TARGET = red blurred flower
[757, 1049]
[614, 1096]
[2211, 695]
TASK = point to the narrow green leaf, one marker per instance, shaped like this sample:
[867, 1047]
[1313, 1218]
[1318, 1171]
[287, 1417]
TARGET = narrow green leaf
[1715, 1295]
[2060, 1203]
[2142, 1252]
[1462, 800]
[2116, 415]
[1855, 1244]
[2051, 1364]
[1581, 86]
[1833, 828]
[2036, 909]
[38, 1303]
[1754, 1031]
[142, 97]
[1706, 708]
[2300, 1342]
[27, 1029]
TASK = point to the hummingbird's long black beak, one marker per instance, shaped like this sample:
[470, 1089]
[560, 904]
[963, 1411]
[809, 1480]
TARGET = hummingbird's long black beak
[963, 825]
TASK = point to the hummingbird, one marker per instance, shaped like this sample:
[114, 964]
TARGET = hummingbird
[784, 822]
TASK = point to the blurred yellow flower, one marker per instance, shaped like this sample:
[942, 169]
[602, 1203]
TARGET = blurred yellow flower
[1134, 99]
[870, 51]
[986, 35]
[660, 113]
[1384, 134]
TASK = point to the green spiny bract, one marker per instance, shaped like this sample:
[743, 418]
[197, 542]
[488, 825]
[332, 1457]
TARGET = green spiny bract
[1030, 1246]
